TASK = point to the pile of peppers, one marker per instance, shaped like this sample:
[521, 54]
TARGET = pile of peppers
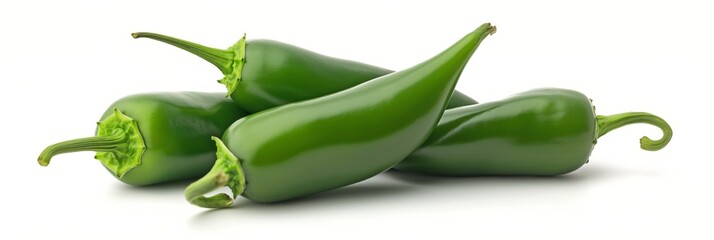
[294, 122]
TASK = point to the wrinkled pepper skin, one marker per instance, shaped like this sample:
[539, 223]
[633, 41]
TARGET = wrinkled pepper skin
[543, 132]
[328, 142]
[175, 128]
[273, 73]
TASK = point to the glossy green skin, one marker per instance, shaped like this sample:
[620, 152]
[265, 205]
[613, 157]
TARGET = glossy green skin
[542, 132]
[176, 128]
[276, 74]
[343, 138]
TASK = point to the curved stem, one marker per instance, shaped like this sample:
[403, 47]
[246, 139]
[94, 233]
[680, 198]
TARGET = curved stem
[612, 122]
[222, 59]
[107, 143]
[225, 172]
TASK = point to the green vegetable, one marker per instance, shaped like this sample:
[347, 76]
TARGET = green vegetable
[541, 132]
[336, 140]
[157, 137]
[262, 74]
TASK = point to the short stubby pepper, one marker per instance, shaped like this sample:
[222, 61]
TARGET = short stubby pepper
[262, 74]
[156, 137]
[542, 132]
[328, 142]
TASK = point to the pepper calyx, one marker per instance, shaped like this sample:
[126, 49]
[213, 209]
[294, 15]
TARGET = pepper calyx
[127, 155]
[226, 171]
[234, 76]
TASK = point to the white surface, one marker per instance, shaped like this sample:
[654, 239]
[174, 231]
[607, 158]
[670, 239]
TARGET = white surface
[63, 62]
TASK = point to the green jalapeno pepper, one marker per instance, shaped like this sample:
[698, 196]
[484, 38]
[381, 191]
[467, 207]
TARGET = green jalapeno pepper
[157, 137]
[541, 132]
[336, 140]
[262, 74]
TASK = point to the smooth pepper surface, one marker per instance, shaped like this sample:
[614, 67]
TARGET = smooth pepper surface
[161, 137]
[262, 74]
[336, 140]
[542, 132]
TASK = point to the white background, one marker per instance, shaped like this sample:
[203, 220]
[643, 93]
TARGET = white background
[63, 62]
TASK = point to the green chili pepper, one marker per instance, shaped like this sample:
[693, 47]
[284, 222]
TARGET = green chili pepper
[262, 74]
[163, 136]
[336, 140]
[541, 132]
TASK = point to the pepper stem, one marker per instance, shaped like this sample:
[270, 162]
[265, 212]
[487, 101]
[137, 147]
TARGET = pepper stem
[118, 143]
[108, 143]
[222, 59]
[612, 122]
[229, 61]
[225, 172]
